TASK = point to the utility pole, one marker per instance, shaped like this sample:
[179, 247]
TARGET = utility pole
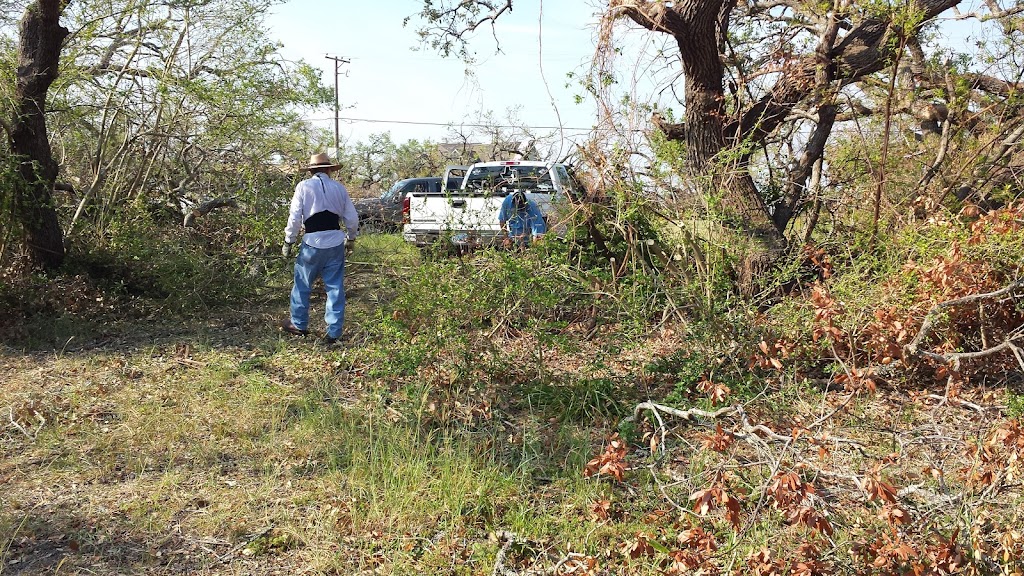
[337, 140]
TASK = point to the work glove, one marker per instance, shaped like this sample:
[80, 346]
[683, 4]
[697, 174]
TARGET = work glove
[350, 245]
[286, 249]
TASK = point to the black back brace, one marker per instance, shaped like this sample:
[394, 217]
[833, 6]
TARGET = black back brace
[324, 220]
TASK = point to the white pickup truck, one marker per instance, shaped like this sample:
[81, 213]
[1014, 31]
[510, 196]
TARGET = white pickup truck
[468, 217]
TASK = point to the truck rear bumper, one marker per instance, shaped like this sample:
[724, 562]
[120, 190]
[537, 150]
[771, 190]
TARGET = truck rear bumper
[457, 238]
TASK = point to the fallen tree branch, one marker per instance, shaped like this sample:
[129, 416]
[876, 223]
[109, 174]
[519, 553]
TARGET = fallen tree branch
[204, 208]
[913, 349]
[760, 430]
[508, 539]
[835, 411]
[22, 429]
[748, 430]
[571, 556]
[944, 399]
[955, 358]
[691, 414]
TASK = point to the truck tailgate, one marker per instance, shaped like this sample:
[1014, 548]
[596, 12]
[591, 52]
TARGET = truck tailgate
[464, 218]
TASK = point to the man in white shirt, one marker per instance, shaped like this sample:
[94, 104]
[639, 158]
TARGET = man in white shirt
[321, 206]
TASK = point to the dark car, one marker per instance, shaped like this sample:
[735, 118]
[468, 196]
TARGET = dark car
[384, 214]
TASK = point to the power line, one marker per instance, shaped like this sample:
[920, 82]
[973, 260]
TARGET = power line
[452, 124]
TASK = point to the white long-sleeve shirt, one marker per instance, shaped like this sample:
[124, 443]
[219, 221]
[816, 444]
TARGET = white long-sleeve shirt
[314, 195]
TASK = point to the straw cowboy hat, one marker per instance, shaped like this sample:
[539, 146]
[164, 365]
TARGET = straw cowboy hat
[321, 160]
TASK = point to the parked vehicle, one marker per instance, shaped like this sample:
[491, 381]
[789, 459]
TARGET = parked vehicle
[384, 214]
[468, 217]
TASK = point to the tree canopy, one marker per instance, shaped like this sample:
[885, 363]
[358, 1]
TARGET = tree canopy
[165, 104]
[766, 89]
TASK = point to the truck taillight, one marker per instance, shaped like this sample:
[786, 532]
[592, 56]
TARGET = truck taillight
[405, 210]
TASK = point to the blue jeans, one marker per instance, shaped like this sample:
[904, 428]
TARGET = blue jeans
[329, 265]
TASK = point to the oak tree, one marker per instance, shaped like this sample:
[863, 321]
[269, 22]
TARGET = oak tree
[40, 36]
[756, 72]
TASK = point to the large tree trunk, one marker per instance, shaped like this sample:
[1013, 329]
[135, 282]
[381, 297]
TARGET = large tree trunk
[699, 28]
[40, 38]
[739, 202]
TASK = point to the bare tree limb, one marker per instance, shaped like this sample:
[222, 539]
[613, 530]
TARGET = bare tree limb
[797, 185]
[913, 349]
[691, 414]
[996, 12]
[960, 401]
[447, 25]
[940, 157]
[31, 435]
[508, 539]
[750, 431]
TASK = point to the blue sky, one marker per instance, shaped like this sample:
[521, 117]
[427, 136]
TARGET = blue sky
[391, 83]
[388, 81]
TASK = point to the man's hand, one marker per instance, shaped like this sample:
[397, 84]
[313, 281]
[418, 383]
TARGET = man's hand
[350, 245]
[286, 249]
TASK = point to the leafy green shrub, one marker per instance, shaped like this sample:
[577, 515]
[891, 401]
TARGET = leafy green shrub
[682, 370]
[403, 355]
[1014, 405]
[184, 270]
[491, 289]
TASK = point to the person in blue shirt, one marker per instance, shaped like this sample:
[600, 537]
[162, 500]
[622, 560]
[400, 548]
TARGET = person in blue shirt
[520, 218]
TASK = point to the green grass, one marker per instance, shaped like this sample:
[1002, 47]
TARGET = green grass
[1015, 405]
[579, 400]
[384, 250]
